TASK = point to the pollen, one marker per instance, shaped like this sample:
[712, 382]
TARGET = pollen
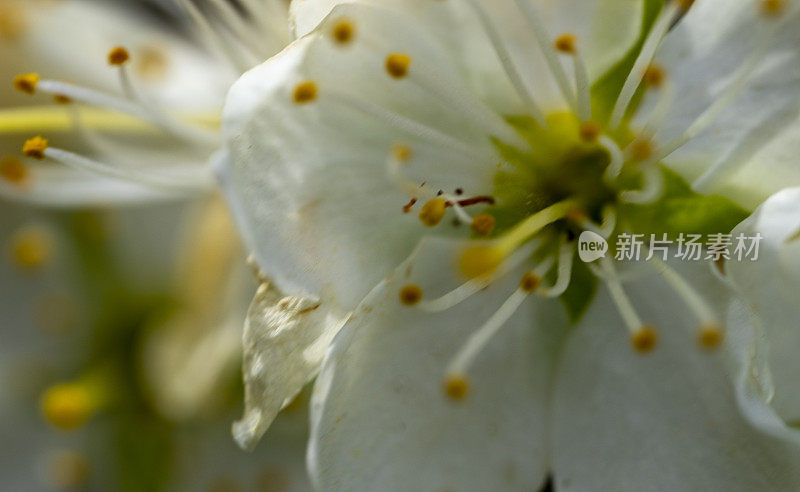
[31, 248]
[566, 43]
[480, 261]
[530, 282]
[118, 56]
[305, 92]
[26, 82]
[433, 212]
[343, 31]
[772, 8]
[654, 76]
[397, 65]
[645, 339]
[14, 171]
[641, 150]
[589, 131]
[710, 335]
[410, 294]
[67, 406]
[35, 147]
[61, 99]
[482, 224]
[456, 386]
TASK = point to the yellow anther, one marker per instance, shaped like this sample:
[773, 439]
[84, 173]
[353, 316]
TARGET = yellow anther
[401, 152]
[566, 43]
[641, 150]
[710, 335]
[482, 224]
[68, 406]
[410, 294]
[397, 65]
[433, 212]
[61, 99]
[654, 75]
[35, 147]
[456, 386]
[26, 82]
[305, 92]
[343, 31]
[645, 339]
[14, 171]
[772, 8]
[31, 248]
[589, 131]
[118, 56]
[530, 282]
[480, 261]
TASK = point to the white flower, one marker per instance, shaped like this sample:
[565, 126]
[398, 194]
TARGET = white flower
[143, 97]
[385, 102]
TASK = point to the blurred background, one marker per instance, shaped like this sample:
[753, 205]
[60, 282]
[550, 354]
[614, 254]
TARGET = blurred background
[120, 335]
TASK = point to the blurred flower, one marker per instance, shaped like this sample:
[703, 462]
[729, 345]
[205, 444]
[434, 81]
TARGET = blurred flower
[453, 370]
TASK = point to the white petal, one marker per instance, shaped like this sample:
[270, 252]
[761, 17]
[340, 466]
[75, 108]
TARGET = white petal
[380, 419]
[770, 285]
[752, 146]
[285, 340]
[678, 418]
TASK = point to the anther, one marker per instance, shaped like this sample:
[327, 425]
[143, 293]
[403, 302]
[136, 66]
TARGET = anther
[410, 294]
[305, 92]
[343, 31]
[589, 131]
[61, 99]
[31, 248]
[641, 150]
[118, 56]
[35, 147]
[13, 171]
[397, 65]
[26, 82]
[772, 8]
[456, 386]
[482, 224]
[480, 261]
[433, 212]
[530, 283]
[67, 406]
[654, 76]
[644, 340]
[401, 152]
[566, 43]
[710, 335]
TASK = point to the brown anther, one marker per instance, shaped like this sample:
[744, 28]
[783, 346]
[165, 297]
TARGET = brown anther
[482, 224]
[772, 8]
[26, 82]
[397, 65]
[641, 150]
[645, 339]
[118, 56]
[35, 147]
[710, 335]
[456, 386]
[566, 43]
[589, 131]
[530, 282]
[401, 152]
[305, 92]
[410, 294]
[654, 76]
[407, 206]
[13, 171]
[476, 200]
[61, 99]
[343, 31]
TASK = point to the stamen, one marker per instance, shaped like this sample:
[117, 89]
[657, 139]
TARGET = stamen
[652, 189]
[666, 18]
[589, 131]
[433, 212]
[568, 43]
[508, 65]
[564, 275]
[709, 330]
[616, 155]
[305, 92]
[68, 406]
[26, 82]
[531, 13]
[31, 248]
[37, 147]
[773, 8]
[483, 224]
[397, 65]
[456, 386]
[643, 337]
[533, 224]
[410, 295]
[660, 112]
[14, 171]
[343, 31]
[118, 56]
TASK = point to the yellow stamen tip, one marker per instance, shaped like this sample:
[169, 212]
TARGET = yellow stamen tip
[61, 99]
[14, 171]
[26, 82]
[402, 152]
[566, 43]
[710, 335]
[772, 8]
[397, 65]
[31, 248]
[305, 92]
[343, 31]
[641, 150]
[410, 295]
[480, 261]
[433, 212]
[118, 56]
[530, 282]
[67, 406]
[456, 386]
[645, 339]
[654, 75]
[35, 147]
[589, 131]
[483, 224]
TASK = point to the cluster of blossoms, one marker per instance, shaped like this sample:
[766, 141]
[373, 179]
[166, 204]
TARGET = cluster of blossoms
[442, 360]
